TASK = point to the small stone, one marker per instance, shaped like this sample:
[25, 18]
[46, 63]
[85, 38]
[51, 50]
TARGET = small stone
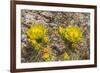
[55, 38]
[52, 24]
[47, 14]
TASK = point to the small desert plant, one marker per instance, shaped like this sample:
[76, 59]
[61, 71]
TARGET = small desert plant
[65, 56]
[72, 34]
[37, 34]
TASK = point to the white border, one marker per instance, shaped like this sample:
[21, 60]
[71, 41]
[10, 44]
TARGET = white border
[20, 65]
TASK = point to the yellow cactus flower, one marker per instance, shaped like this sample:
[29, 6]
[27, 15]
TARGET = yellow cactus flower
[37, 33]
[73, 33]
[45, 50]
[45, 54]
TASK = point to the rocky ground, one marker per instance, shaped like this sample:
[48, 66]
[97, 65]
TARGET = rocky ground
[51, 20]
